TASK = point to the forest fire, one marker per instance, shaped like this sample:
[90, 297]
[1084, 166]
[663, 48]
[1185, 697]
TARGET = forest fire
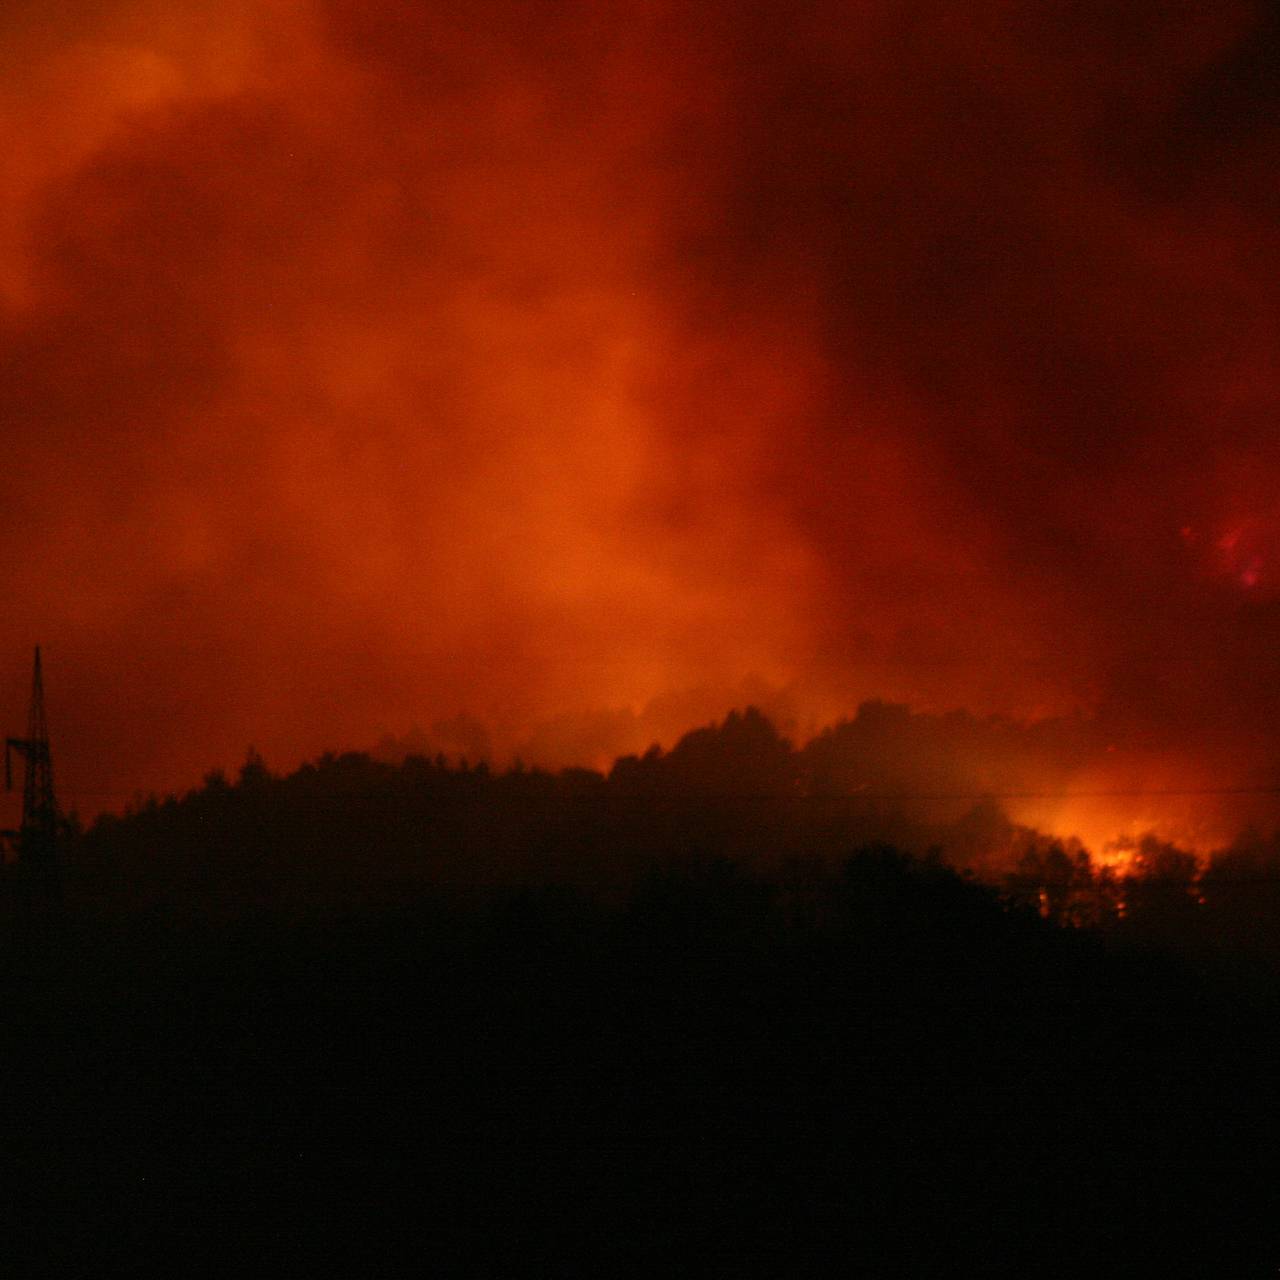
[1111, 826]
[390, 364]
[744, 540]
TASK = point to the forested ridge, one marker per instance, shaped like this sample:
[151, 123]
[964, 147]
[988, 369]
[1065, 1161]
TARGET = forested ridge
[352, 829]
[688, 1016]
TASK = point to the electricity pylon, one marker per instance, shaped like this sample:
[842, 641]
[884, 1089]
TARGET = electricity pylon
[38, 835]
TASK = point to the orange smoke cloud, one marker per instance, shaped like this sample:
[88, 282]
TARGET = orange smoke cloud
[370, 364]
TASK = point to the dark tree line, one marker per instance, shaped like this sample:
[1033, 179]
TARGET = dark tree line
[350, 829]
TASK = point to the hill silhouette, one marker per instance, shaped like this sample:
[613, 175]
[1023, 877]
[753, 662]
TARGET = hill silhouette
[674, 1017]
[353, 829]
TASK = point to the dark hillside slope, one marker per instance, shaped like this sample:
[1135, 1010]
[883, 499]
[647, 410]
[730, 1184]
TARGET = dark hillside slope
[872, 1066]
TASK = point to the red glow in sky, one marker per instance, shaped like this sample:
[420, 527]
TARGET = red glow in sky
[587, 369]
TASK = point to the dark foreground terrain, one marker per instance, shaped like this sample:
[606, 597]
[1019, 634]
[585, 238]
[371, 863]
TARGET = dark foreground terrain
[873, 1067]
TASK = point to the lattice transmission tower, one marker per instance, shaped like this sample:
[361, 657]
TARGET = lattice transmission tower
[37, 837]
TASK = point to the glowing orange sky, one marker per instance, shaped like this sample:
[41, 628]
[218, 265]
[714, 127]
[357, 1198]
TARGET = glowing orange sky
[366, 364]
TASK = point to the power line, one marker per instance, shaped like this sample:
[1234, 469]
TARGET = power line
[1165, 792]
[879, 795]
